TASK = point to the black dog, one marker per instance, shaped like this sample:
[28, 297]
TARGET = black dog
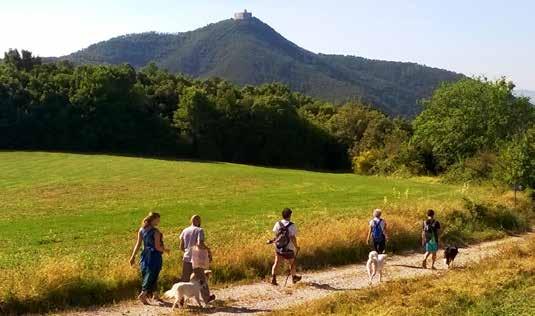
[449, 255]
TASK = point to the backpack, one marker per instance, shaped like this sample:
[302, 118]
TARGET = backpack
[377, 231]
[429, 229]
[282, 240]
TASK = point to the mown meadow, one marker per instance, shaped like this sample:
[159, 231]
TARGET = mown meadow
[69, 220]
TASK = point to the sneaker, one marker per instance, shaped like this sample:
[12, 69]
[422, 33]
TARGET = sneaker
[296, 278]
[274, 281]
[143, 298]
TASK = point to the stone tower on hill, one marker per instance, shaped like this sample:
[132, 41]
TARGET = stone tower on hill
[243, 15]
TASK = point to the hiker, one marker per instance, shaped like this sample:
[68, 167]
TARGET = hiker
[430, 234]
[192, 243]
[151, 256]
[377, 231]
[286, 247]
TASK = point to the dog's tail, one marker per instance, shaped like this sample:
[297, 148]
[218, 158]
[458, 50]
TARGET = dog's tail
[171, 293]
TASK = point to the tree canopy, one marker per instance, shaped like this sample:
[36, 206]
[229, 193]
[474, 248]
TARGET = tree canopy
[468, 116]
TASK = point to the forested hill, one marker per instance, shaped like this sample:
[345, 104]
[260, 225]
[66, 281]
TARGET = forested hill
[251, 52]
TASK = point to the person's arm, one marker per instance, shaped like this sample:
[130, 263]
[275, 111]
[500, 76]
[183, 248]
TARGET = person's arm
[136, 248]
[182, 245]
[369, 234]
[438, 233]
[202, 244]
[423, 235]
[293, 236]
[385, 231]
[158, 242]
[294, 241]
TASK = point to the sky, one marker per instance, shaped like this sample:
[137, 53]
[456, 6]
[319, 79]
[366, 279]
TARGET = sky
[490, 38]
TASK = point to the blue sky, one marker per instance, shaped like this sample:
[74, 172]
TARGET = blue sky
[492, 38]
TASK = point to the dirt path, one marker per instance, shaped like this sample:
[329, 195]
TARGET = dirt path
[262, 297]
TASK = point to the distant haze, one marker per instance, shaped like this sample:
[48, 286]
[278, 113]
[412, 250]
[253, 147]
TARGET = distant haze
[526, 93]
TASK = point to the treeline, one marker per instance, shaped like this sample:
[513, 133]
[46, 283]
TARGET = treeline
[469, 130]
[118, 109]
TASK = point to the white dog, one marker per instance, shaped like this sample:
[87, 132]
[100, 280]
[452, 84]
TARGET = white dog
[182, 291]
[375, 265]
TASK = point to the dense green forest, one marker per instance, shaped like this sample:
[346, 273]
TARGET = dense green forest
[472, 129]
[251, 52]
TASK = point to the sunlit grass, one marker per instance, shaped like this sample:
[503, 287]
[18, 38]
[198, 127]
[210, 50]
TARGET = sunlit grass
[69, 221]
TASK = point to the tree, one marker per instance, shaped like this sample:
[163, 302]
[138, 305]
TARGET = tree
[516, 163]
[196, 118]
[21, 61]
[468, 116]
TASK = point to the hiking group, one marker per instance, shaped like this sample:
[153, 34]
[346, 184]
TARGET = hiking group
[197, 255]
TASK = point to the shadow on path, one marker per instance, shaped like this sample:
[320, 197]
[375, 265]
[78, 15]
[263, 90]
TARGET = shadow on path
[327, 287]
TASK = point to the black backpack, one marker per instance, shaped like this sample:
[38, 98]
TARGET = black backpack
[429, 229]
[282, 240]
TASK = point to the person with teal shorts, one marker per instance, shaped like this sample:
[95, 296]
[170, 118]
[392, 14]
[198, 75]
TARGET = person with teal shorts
[430, 234]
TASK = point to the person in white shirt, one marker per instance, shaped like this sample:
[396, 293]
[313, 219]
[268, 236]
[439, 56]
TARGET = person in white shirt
[192, 242]
[286, 247]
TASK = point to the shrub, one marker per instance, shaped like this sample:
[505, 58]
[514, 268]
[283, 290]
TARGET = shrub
[481, 221]
[364, 163]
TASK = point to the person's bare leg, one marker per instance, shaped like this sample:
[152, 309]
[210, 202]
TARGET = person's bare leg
[274, 270]
[433, 259]
[291, 262]
[424, 263]
[295, 278]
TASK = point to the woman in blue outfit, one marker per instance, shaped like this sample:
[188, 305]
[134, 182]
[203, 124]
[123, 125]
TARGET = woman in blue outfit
[151, 256]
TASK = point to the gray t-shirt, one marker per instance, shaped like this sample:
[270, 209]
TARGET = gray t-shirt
[191, 237]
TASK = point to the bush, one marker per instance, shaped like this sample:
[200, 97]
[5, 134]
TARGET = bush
[478, 168]
[364, 163]
[482, 221]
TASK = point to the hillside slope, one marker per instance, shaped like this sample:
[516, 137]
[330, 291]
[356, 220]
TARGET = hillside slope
[251, 52]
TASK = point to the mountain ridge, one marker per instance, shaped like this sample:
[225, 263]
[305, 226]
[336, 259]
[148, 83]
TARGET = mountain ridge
[252, 52]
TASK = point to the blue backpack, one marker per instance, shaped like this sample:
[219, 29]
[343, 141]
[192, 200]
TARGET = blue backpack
[377, 231]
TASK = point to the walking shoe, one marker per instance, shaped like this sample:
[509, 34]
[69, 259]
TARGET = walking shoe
[274, 280]
[296, 278]
[143, 298]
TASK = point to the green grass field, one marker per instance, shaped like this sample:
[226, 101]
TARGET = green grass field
[58, 204]
[68, 218]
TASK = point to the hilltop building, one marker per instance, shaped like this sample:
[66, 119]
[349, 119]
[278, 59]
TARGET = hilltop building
[243, 15]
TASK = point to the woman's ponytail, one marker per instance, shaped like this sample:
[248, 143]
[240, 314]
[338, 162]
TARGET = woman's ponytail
[149, 218]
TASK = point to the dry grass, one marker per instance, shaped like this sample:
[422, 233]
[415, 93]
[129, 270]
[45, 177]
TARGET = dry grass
[70, 228]
[502, 285]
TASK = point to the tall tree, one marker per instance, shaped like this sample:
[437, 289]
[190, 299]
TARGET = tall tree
[468, 116]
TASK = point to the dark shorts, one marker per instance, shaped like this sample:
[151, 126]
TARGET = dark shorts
[379, 246]
[286, 253]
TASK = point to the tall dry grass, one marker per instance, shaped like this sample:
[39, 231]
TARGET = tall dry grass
[325, 241]
[500, 285]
